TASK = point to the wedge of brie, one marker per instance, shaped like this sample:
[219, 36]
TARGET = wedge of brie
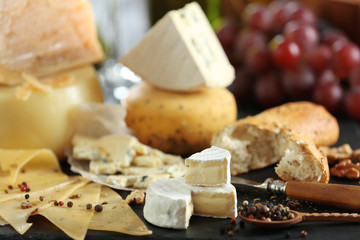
[209, 167]
[181, 53]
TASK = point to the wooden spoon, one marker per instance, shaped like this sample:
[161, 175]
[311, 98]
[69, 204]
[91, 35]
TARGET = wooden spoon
[303, 217]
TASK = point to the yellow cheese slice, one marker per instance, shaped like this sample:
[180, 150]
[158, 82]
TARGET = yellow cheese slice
[117, 216]
[13, 213]
[74, 221]
[16, 193]
[32, 166]
[42, 37]
[44, 120]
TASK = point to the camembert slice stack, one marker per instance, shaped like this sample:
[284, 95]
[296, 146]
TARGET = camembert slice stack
[210, 167]
[181, 53]
[169, 201]
[169, 204]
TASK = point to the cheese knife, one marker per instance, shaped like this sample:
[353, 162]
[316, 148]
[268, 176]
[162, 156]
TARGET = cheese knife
[336, 195]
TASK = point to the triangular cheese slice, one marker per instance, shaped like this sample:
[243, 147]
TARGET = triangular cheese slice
[13, 213]
[33, 166]
[181, 52]
[74, 221]
[117, 216]
[42, 37]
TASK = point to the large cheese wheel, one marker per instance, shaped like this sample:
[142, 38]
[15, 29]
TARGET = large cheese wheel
[44, 119]
[178, 123]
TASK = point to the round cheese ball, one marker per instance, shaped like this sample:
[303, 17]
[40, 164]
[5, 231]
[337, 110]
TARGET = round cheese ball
[44, 119]
[178, 123]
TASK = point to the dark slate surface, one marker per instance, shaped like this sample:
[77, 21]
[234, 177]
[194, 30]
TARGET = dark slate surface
[209, 228]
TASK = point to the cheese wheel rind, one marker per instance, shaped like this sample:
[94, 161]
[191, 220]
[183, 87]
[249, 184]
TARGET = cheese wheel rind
[44, 120]
[178, 123]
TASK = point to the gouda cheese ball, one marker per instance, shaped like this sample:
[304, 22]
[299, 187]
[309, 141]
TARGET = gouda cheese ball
[178, 123]
[44, 120]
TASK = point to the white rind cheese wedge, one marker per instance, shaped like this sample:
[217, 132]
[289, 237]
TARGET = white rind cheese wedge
[209, 167]
[218, 202]
[168, 204]
[43, 37]
[181, 52]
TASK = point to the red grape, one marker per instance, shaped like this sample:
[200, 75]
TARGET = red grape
[286, 53]
[298, 82]
[330, 95]
[305, 35]
[346, 57]
[352, 103]
[319, 58]
[330, 36]
[258, 17]
[259, 61]
[227, 34]
[281, 12]
[303, 14]
[268, 90]
[249, 40]
[325, 77]
[355, 77]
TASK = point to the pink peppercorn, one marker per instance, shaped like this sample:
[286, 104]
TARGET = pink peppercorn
[303, 233]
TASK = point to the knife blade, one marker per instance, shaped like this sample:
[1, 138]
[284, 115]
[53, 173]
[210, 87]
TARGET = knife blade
[335, 195]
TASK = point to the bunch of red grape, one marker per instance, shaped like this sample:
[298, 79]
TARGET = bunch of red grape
[282, 52]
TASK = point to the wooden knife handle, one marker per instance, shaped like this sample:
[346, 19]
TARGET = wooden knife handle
[336, 195]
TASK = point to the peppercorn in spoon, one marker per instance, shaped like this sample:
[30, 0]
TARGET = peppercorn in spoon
[279, 217]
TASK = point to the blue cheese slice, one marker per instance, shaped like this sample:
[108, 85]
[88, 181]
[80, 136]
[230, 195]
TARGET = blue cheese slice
[135, 181]
[209, 167]
[181, 52]
[110, 148]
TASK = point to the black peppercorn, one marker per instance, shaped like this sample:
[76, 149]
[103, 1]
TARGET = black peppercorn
[98, 208]
[69, 204]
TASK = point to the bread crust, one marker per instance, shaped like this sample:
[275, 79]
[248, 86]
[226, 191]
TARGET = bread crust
[261, 140]
[307, 118]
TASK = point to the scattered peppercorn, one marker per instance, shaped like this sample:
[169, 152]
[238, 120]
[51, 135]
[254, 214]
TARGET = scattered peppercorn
[78, 195]
[27, 189]
[266, 212]
[230, 232]
[35, 210]
[233, 220]
[303, 233]
[41, 198]
[27, 196]
[56, 203]
[6, 191]
[61, 203]
[88, 206]
[69, 204]
[291, 204]
[23, 183]
[23, 170]
[22, 188]
[10, 187]
[98, 208]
